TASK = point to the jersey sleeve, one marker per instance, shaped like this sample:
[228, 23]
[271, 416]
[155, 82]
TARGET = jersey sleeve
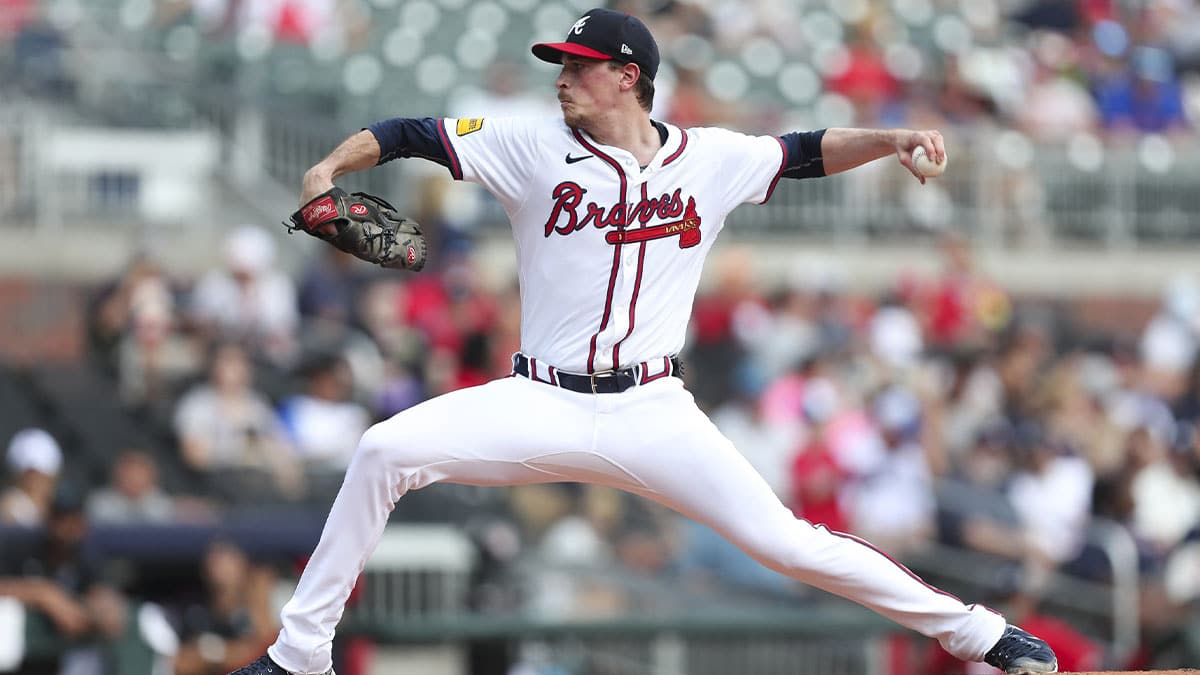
[750, 165]
[497, 153]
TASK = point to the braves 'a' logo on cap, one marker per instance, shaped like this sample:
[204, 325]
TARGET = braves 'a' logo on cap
[577, 28]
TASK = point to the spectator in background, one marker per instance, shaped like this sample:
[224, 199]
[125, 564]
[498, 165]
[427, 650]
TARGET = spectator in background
[1146, 97]
[1186, 407]
[40, 50]
[111, 311]
[715, 338]
[133, 495]
[229, 430]
[973, 510]
[1170, 340]
[890, 498]
[1178, 22]
[1051, 493]
[250, 299]
[323, 422]
[964, 307]
[333, 301]
[962, 103]
[1163, 486]
[817, 479]
[233, 620]
[154, 358]
[331, 287]
[866, 81]
[767, 445]
[1056, 106]
[971, 395]
[15, 15]
[34, 460]
[52, 573]
[894, 334]
[788, 335]
[134, 332]
[402, 347]
[1021, 364]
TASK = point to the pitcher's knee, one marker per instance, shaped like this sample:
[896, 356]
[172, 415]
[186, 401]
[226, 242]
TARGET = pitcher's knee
[786, 547]
[380, 448]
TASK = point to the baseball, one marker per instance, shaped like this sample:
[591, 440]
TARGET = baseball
[926, 165]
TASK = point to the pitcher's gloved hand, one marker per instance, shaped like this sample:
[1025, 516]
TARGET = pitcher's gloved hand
[364, 226]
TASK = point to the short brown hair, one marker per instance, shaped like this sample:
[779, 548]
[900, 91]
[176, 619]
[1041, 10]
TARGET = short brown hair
[643, 89]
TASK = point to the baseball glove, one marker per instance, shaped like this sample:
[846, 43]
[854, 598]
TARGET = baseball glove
[364, 226]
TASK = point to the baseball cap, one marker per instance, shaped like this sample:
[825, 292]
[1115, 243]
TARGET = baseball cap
[249, 248]
[607, 35]
[34, 449]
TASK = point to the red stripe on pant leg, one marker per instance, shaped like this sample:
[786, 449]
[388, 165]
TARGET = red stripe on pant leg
[890, 559]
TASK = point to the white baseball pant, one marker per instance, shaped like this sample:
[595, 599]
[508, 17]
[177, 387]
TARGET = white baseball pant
[651, 440]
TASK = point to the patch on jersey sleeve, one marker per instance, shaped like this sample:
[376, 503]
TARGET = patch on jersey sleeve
[469, 125]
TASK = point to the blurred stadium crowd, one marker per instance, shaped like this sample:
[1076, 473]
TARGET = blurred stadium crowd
[943, 410]
[1052, 69]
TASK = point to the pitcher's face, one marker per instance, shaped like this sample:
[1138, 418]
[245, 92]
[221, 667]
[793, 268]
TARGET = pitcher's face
[586, 89]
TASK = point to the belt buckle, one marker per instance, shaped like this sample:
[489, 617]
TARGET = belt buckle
[593, 376]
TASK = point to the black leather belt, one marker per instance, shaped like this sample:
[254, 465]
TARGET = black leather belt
[603, 382]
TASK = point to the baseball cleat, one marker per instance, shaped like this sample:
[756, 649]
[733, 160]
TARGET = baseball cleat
[1019, 653]
[265, 666]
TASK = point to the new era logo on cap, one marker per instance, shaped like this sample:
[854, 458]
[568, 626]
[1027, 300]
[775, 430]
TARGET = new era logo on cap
[609, 36]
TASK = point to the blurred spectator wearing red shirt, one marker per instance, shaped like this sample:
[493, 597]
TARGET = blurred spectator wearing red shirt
[963, 307]
[817, 479]
[865, 79]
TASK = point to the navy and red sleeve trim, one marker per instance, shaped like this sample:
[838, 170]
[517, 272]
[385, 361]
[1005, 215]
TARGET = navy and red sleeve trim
[803, 150]
[783, 162]
[411, 137]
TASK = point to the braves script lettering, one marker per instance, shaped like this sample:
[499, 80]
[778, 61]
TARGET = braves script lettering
[570, 214]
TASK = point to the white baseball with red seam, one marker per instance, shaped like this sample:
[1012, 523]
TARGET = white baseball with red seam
[926, 164]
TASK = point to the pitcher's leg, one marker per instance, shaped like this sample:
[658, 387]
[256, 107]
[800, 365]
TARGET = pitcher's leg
[719, 488]
[478, 436]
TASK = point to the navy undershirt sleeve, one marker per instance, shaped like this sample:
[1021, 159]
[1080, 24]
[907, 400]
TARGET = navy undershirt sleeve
[803, 154]
[409, 137]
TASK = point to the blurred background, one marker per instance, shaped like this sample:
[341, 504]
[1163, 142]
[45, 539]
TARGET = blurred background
[993, 376]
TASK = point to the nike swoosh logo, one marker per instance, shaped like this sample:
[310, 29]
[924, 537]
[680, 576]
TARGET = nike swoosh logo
[572, 160]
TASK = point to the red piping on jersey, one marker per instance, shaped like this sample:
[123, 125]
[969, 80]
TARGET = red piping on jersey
[679, 151]
[612, 275]
[892, 560]
[455, 167]
[637, 286]
[778, 174]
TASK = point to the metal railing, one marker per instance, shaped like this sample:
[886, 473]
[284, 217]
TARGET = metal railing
[1109, 609]
[1142, 193]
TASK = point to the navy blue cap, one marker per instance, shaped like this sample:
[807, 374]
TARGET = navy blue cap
[609, 36]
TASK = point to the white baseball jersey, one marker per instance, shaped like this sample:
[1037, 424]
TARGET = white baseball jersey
[609, 254]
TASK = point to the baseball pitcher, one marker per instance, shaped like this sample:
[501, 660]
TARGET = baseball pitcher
[613, 214]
